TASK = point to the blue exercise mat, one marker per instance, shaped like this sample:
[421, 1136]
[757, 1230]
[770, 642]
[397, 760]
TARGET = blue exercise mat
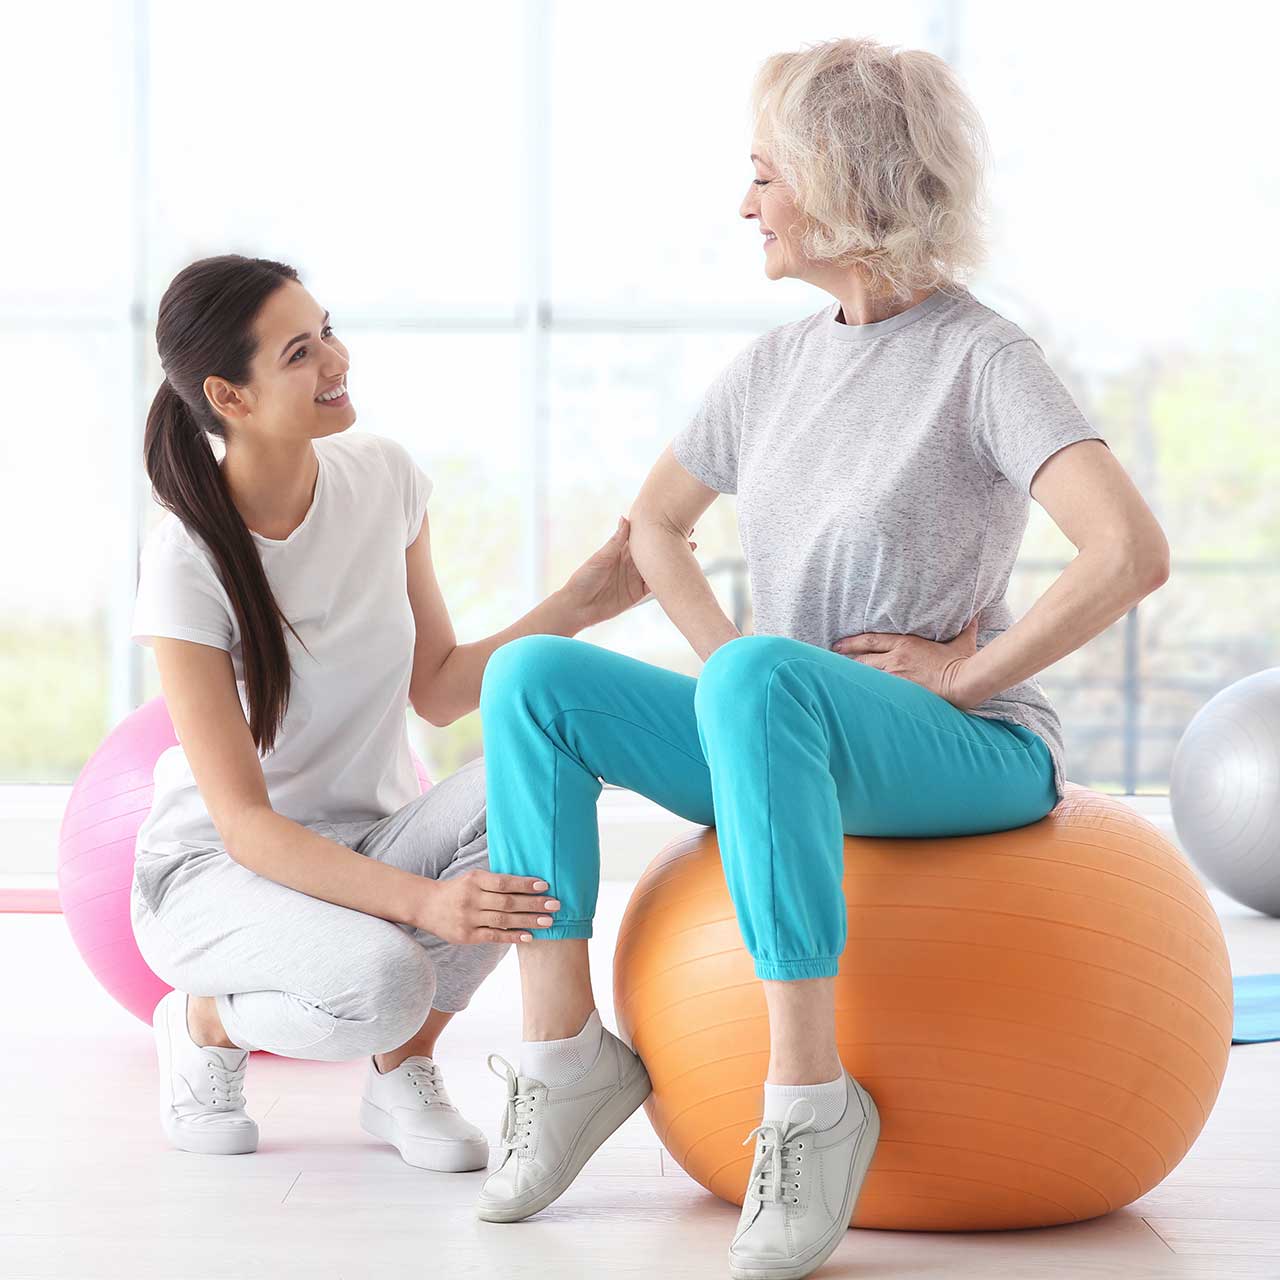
[1257, 1008]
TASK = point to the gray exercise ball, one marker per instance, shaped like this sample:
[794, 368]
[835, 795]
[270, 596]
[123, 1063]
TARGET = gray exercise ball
[1224, 790]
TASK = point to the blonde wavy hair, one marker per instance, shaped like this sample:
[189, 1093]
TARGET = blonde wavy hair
[886, 158]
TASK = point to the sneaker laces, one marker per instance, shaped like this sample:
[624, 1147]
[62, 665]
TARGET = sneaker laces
[517, 1118]
[778, 1155]
[428, 1074]
[230, 1080]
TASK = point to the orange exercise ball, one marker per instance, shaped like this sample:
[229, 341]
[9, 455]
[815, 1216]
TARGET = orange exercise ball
[1043, 1016]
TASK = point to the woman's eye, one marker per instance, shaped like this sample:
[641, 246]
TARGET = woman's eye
[761, 182]
[302, 350]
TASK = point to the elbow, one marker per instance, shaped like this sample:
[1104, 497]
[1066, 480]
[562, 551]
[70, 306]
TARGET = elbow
[238, 832]
[1159, 573]
[429, 706]
[1153, 565]
[1145, 565]
[435, 716]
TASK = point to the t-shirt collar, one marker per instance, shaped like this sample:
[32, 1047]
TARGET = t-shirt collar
[877, 329]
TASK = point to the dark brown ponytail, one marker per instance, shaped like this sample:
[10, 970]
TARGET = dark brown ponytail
[205, 329]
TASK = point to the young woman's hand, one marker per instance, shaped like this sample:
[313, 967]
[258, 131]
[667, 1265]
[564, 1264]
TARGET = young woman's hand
[608, 583]
[939, 667]
[483, 906]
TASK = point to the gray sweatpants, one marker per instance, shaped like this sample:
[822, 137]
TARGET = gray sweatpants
[306, 978]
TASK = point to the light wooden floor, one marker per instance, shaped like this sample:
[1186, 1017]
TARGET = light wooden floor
[89, 1189]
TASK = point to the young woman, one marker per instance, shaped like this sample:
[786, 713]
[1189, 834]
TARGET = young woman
[290, 881]
[883, 451]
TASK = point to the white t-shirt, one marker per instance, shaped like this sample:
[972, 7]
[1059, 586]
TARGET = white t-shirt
[342, 751]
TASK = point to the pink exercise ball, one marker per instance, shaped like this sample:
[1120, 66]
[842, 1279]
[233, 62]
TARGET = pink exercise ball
[110, 800]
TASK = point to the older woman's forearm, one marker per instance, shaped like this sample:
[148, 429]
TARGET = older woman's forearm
[1095, 589]
[673, 574]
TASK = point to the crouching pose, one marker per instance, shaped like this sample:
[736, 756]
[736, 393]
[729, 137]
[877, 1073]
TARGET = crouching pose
[290, 881]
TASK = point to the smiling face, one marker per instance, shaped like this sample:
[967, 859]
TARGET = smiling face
[770, 200]
[299, 364]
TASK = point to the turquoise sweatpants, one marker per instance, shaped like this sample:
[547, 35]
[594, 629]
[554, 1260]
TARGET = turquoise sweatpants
[782, 746]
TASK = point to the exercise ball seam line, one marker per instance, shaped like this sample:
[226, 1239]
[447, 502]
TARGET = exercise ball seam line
[866, 873]
[119, 889]
[642, 890]
[672, 1120]
[865, 1079]
[703, 925]
[66, 867]
[908, 1044]
[1102, 1154]
[666, 1045]
[1022, 858]
[979, 1205]
[968, 1204]
[106, 782]
[1252, 753]
[1185, 876]
[1237, 858]
[97, 848]
[948, 942]
[975, 911]
[863, 872]
[976, 1181]
[703, 922]
[83, 808]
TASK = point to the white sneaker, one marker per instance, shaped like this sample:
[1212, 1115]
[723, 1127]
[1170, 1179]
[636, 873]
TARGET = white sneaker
[549, 1134]
[804, 1184]
[201, 1087]
[410, 1108]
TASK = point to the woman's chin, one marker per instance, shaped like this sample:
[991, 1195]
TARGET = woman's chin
[333, 424]
[342, 417]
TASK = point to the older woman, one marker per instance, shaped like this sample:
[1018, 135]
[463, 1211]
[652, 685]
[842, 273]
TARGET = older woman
[883, 451]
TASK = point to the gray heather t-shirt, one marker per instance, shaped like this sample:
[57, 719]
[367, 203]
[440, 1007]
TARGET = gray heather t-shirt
[883, 474]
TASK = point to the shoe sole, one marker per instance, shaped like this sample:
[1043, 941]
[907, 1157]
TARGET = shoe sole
[442, 1156]
[597, 1129]
[205, 1144]
[857, 1174]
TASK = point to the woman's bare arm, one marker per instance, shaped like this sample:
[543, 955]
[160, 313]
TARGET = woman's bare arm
[662, 516]
[1123, 556]
[200, 693]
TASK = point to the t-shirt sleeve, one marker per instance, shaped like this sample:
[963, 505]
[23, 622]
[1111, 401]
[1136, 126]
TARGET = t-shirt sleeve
[412, 484]
[179, 595]
[708, 446]
[1023, 414]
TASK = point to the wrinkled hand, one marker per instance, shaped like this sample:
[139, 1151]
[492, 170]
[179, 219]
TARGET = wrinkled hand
[608, 583]
[936, 666]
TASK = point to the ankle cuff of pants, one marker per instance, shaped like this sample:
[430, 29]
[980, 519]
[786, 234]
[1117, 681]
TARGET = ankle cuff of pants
[565, 929]
[791, 970]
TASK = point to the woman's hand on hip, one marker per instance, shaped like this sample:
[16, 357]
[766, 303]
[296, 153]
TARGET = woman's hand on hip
[608, 583]
[936, 666]
[483, 906]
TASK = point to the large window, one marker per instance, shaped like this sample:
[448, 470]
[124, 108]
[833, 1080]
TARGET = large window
[523, 218]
